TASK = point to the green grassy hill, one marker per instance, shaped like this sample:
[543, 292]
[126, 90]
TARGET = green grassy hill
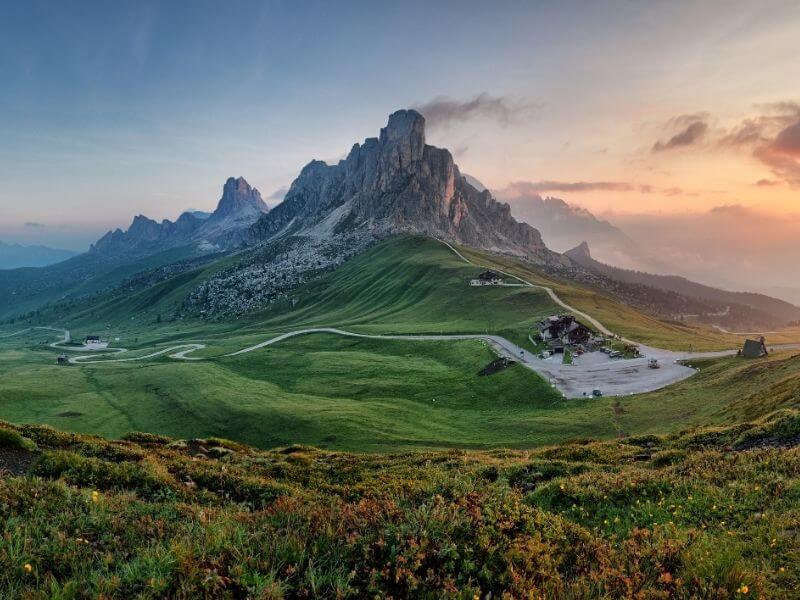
[358, 394]
[619, 318]
[708, 513]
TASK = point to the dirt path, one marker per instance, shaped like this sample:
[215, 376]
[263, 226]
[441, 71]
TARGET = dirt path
[553, 296]
[588, 372]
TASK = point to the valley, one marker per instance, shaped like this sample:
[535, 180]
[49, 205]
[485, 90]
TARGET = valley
[347, 392]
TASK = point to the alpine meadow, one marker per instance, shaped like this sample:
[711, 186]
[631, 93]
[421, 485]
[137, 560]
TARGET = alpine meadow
[412, 370]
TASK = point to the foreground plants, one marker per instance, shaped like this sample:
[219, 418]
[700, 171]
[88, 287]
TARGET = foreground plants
[709, 513]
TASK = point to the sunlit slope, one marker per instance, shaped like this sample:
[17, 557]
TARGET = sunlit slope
[325, 390]
[401, 285]
[619, 318]
[412, 285]
[723, 391]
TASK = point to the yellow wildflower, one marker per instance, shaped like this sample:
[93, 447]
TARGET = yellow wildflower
[27, 567]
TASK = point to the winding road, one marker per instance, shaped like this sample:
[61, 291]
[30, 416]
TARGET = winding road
[588, 372]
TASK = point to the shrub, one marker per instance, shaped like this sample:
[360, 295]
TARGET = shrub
[140, 437]
[13, 439]
[96, 473]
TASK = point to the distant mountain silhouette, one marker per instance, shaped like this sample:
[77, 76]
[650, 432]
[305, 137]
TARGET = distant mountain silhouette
[13, 256]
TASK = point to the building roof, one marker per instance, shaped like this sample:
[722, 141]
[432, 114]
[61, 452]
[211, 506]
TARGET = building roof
[754, 348]
[488, 276]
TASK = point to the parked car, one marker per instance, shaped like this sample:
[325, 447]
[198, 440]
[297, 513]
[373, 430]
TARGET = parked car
[596, 393]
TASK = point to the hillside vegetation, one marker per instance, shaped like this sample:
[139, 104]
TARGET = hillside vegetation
[358, 394]
[706, 513]
[618, 317]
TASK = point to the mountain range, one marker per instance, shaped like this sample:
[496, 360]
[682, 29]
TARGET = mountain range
[391, 184]
[397, 183]
[779, 312]
[239, 207]
[564, 225]
[13, 256]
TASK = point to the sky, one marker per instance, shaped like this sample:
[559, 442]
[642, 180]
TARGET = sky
[633, 110]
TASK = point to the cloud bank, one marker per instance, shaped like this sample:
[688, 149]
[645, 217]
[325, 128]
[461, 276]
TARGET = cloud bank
[443, 111]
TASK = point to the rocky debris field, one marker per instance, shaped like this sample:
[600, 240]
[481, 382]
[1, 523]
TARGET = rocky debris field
[270, 272]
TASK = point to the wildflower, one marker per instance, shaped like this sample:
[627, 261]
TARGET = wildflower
[27, 567]
[95, 496]
[781, 569]
[561, 487]
[743, 589]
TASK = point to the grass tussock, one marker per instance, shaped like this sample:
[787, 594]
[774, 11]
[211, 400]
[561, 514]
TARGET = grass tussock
[9, 438]
[706, 513]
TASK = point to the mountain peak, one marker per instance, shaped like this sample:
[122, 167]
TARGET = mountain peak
[406, 131]
[396, 184]
[238, 196]
[581, 251]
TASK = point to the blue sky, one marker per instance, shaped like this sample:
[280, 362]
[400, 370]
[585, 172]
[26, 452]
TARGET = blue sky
[110, 109]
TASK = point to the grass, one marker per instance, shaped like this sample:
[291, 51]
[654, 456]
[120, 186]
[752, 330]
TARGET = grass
[325, 390]
[351, 394]
[708, 513]
[724, 391]
[621, 319]
[13, 439]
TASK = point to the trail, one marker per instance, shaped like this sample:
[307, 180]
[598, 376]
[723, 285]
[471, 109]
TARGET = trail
[589, 372]
[553, 296]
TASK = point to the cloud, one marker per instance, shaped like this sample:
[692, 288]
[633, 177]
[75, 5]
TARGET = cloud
[34, 224]
[788, 140]
[520, 188]
[278, 194]
[772, 136]
[707, 245]
[443, 111]
[782, 154]
[689, 135]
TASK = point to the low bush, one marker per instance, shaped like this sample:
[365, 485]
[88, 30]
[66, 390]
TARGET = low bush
[13, 439]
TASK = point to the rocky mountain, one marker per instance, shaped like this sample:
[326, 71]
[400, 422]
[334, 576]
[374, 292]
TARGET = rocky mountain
[397, 183]
[563, 225]
[779, 312]
[239, 207]
[14, 256]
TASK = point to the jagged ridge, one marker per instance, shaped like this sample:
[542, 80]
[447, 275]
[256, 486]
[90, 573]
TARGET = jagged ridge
[239, 207]
[397, 183]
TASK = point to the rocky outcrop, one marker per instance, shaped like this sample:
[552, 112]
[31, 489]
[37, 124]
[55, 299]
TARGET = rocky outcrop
[239, 207]
[580, 253]
[396, 183]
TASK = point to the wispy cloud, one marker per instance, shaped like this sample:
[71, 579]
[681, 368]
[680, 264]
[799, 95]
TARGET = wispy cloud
[535, 187]
[34, 224]
[520, 189]
[443, 111]
[278, 194]
[774, 139]
[692, 129]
